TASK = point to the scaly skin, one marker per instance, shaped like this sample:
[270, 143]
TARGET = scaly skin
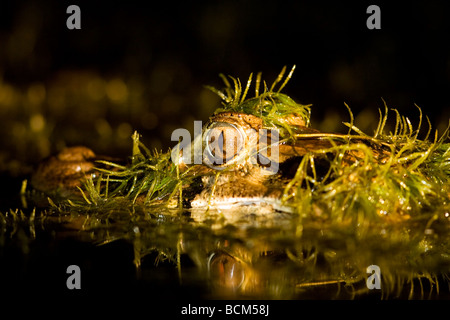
[62, 174]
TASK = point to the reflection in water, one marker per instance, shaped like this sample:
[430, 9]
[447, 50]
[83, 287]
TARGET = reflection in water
[226, 272]
[240, 254]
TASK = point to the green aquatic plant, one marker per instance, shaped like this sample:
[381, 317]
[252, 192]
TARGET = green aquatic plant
[393, 174]
[150, 178]
[273, 107]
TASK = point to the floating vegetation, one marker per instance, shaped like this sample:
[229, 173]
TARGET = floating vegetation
[388, 174]
[273, 107]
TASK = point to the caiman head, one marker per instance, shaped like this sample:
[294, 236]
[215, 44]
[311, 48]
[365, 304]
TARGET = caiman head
[249, 150]
[244, 162]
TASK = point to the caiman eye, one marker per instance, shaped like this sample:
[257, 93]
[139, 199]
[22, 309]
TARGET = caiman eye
[225, 270]
[223, 142]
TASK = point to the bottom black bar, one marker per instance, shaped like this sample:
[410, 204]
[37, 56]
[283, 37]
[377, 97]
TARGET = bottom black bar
[130, 305]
